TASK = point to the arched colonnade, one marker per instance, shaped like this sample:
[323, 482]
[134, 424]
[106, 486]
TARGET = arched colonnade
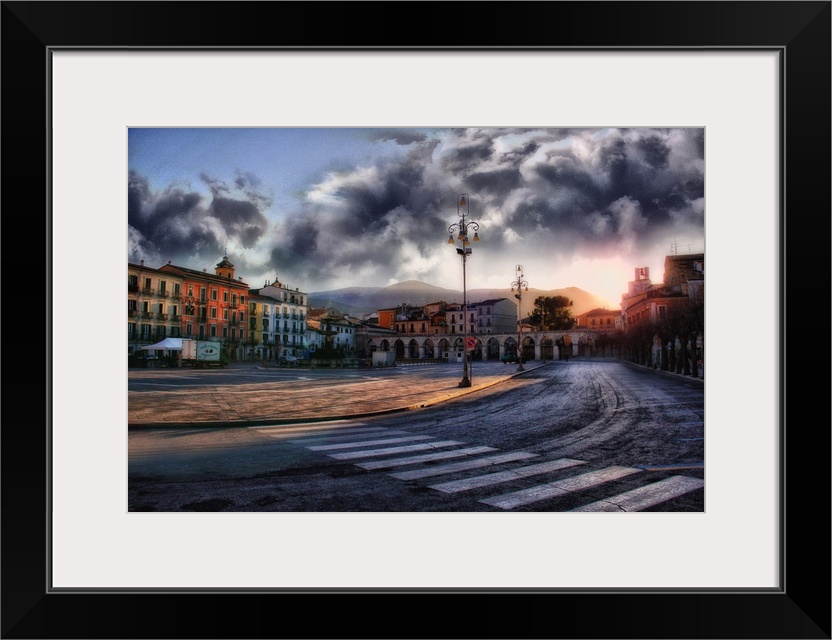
[535, 346]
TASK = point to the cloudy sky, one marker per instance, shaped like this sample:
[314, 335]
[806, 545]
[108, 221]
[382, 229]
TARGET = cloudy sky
[329, 208]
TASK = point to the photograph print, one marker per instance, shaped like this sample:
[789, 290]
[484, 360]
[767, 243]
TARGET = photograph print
[416, 319]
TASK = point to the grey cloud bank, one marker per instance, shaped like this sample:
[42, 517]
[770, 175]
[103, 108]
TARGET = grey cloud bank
[543, 197]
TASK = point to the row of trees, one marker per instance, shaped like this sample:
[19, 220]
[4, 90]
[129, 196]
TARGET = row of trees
[678, 331]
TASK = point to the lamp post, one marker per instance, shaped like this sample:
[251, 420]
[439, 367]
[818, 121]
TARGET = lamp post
[461, 229]
[519, 285]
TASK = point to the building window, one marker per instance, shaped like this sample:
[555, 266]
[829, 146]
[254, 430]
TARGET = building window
[214, 313]
[202, 294]
[191, 290]
[176, 289]
[242, 299]
[131, 305]
[189, 329]
[213, 331]
[225, 296]
[163, 285]
[213, 294]
[225, 314]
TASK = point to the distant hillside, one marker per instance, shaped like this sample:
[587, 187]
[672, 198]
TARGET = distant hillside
[359, 301]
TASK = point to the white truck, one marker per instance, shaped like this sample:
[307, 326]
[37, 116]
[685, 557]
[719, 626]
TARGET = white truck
[203, 353]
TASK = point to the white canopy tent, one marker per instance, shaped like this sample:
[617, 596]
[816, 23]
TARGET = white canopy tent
[171, 344]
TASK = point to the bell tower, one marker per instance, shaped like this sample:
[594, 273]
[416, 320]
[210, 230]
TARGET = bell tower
[225, 269]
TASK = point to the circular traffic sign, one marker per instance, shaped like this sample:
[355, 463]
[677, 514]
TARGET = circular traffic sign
[471, 343]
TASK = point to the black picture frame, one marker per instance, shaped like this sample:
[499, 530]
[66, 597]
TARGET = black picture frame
[799, 31]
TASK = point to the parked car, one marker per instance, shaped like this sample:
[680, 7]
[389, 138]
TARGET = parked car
[287, 358]
[510, 357]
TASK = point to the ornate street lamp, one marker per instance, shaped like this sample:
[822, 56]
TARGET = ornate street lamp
[461, 229]
[519, 285]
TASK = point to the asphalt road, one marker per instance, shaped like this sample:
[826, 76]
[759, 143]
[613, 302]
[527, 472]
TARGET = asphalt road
[577, 435]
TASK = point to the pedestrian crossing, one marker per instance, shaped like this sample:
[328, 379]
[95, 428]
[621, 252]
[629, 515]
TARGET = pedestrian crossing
[504, 480]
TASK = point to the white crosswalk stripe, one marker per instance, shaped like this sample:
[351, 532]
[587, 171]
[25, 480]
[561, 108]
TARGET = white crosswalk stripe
[428, 457]
[335, 442]
[505, 476]
[559, 488]
[463, 466]
[365, 443]
[647, 496]
[393, 450]
[352, 436]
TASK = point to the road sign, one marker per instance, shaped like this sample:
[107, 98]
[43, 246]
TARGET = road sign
[471, 343]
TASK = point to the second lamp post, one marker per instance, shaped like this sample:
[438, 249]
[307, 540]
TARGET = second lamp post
[519, 285]
[461, 229]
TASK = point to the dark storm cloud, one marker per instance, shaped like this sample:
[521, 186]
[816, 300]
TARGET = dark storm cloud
[217, 187]
[240, 218]
[540, 192]
[493, 182]
[568, 190]
[399, 136]
[655, 151]
[178, 224]
[472, 148]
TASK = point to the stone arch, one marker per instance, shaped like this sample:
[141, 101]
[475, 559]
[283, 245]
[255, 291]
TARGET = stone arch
[528, 348]
[492, 349]
[398, 346]
[547, 348]
[385, 346]
[412, 349]
[430, 351]
[444, 347]
[477, 353]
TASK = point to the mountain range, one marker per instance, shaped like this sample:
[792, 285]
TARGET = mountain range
[360, 301]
